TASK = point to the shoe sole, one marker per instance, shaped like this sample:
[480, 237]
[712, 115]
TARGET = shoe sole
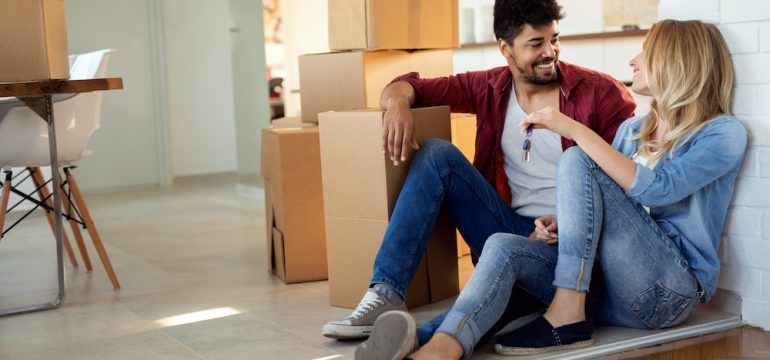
[504, 350]
[346, 332]
[393, 338]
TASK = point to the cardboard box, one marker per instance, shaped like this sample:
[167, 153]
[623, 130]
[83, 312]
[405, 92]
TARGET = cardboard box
[464, 137]
[393, 24]
[33, 40]
[361, 187]
[291, 165]
[354, 80]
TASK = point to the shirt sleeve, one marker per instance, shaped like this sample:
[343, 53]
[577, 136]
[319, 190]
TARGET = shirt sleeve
[710, 156]
[456, 91]
[614, 105]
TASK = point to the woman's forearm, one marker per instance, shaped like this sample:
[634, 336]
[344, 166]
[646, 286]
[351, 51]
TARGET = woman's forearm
[616, 165]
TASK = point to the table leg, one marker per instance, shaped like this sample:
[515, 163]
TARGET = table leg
[43, 106]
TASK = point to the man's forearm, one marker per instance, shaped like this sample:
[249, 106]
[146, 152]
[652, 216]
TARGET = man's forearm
[397, 91]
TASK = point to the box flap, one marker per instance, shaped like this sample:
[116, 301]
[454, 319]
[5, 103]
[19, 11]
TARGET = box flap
[269, 223]
[441, 258]
[277, 260]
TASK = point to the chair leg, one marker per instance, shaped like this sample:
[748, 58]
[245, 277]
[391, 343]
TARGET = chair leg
[37, 178]
[4, 201]
[97, 240]
[75, 227]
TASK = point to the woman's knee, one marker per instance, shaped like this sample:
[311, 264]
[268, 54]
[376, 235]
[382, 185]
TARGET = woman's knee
[574, 160]
[502, 244]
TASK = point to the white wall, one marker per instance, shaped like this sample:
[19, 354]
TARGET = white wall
[200, 86]
[250, 82]
[745, 246]
[125, 150]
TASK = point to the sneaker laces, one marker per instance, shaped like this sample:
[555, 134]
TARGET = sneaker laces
[370, 301]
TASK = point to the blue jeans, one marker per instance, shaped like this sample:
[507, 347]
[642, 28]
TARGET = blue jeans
[607, 243]
[440, 177]
[512, 270]
[648, 282]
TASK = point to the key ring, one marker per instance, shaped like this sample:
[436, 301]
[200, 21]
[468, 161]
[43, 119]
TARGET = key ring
[527, 143]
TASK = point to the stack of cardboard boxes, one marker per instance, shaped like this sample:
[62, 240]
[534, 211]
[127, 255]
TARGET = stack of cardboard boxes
[373, 41]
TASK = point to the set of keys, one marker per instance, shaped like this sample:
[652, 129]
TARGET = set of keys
[527, 143]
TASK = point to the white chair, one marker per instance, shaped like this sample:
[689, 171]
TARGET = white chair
[24, 144]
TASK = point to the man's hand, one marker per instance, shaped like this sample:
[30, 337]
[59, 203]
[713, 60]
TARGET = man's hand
[546, 230]
[398, 125]
[398, 131]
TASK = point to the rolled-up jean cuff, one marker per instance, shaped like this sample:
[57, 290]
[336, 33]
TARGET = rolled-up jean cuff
[572, 273]
[461, 327]
[397, 288]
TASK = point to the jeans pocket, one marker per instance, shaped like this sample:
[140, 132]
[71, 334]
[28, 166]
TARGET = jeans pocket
[658, 306]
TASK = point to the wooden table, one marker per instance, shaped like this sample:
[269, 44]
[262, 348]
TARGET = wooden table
[38, 96]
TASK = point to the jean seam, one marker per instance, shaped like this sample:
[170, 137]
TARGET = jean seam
[421, 237]
[475, 192]
[651, 223]
[397, 288]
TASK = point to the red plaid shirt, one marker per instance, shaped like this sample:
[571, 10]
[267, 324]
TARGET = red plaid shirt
[590, 97]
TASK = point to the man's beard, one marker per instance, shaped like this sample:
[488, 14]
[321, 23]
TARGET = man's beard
[532, 76]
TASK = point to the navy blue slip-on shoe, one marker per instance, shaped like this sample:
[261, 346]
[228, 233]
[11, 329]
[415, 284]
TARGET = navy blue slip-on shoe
[540, 336]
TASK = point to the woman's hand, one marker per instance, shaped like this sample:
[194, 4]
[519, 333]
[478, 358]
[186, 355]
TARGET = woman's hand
[551, 119]
[546, 230]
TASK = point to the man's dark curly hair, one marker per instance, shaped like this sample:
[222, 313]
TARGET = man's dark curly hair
[511, 15]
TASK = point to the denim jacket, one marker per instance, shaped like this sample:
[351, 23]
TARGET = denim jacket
[688, 195]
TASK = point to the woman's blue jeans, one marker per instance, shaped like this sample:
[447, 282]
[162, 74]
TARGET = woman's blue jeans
[640, 278]
[648, 282]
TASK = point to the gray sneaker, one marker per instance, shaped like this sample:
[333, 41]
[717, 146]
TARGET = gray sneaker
[360, 322]
[393, 338]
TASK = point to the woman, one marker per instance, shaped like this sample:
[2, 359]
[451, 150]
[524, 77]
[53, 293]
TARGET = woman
[639, 221]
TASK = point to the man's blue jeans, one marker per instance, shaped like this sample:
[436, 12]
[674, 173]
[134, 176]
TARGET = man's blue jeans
[440, 177]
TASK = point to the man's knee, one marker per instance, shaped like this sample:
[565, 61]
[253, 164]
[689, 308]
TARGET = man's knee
[434, 149]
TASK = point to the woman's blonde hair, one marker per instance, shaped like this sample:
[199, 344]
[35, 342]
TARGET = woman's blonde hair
[689, 71]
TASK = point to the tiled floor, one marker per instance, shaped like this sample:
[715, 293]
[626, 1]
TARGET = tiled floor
[197, 249]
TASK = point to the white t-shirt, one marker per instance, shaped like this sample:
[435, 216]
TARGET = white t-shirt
[533, 183]
[643, 161]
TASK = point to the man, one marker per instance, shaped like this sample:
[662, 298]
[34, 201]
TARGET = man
[507, 187]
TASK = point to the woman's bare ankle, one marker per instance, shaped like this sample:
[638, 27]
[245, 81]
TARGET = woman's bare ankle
[440, 346]
[567, 307]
